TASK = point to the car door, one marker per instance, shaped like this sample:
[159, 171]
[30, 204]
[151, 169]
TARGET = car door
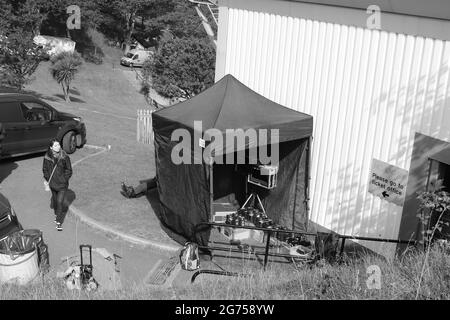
[15, 127]
[41, 127]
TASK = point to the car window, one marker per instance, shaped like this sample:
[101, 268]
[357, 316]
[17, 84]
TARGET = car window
[33, 111]
[129, 55]
[10, 112]
[136, 57]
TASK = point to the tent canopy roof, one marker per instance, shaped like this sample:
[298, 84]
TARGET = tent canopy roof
[229, 104]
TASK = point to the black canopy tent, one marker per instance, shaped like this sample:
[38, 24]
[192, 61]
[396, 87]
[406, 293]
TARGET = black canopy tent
[187, 191]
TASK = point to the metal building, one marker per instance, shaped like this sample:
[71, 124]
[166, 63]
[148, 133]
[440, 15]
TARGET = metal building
[377, 85]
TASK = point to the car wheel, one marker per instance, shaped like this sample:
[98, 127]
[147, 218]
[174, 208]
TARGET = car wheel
[69, 142]
[131, 65]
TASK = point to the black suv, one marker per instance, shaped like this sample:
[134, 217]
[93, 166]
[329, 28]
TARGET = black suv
[30, 124]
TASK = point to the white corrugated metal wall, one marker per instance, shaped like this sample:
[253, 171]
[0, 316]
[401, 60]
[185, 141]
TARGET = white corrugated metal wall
[368, 90]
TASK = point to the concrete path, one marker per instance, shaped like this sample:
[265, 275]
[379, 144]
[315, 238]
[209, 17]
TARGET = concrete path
[24, 188]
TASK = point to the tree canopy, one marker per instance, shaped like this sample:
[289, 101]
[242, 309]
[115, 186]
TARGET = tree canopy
[182, 67]
[180, 18]
[20, 21]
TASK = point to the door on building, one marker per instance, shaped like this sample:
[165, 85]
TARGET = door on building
[440, 171]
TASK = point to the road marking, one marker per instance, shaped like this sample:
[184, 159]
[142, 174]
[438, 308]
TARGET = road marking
[102, 150]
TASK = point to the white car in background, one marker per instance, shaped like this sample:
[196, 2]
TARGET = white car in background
[136, 58]
[55, 45]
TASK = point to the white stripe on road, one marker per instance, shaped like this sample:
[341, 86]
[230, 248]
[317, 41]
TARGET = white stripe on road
[102, 150]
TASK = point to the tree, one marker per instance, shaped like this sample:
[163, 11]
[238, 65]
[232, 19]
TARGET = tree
[181, 67]
[179, 17]
[63, 68]
[24, 15]
[19, 58]
[122, 13]
[20, 21]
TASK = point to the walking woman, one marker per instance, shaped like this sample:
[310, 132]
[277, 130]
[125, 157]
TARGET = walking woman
[57, 171]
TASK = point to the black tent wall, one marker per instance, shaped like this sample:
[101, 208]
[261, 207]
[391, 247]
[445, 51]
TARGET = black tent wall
[286, 204]
[183, 191]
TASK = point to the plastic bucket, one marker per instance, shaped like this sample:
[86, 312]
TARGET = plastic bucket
[21, 268]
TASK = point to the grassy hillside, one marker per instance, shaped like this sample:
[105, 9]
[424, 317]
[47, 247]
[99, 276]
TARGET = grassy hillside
[399, 280]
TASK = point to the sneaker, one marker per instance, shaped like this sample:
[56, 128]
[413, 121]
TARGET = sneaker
[128, 191]
[59, 226]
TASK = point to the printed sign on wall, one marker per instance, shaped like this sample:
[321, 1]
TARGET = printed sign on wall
[388, 182]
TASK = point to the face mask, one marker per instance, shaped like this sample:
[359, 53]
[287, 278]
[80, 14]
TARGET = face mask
[56, 148]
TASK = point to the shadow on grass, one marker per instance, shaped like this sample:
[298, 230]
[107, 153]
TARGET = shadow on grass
[30, 92]
[72, 99]
[21, 158]
[56, 97]
[74, 91]
[6, 168]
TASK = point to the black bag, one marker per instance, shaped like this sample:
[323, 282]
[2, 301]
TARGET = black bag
[37, 239]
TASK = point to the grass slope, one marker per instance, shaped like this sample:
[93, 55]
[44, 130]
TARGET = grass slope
[399, 280]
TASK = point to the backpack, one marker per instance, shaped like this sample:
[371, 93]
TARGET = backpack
[189, 258]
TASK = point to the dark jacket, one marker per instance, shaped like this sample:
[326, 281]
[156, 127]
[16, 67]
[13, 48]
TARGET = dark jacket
[63, 171]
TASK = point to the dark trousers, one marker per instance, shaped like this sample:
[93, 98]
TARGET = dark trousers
[58, 203]
[145, 186]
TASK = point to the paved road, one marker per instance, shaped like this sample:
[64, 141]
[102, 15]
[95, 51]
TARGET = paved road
[21, 181]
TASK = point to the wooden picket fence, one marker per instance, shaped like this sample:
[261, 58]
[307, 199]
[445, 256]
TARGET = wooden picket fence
[144, 126]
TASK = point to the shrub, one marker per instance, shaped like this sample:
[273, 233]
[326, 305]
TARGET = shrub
[63, 69]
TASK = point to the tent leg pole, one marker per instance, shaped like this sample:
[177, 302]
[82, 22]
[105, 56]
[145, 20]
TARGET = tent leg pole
[342, 246]
[266, 254]
[308, 181]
